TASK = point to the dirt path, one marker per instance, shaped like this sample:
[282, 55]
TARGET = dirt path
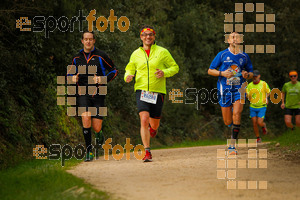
[189, 173]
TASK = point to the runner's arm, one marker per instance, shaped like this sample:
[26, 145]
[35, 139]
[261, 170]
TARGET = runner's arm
[268, 92]
[247, 93]
[283, 92]
[282, 100]
[70, 69]
[216, 63]
[214, 72]
[249, 69]
[267, 98]
[247, 75]
[130, 68]
[172, 67]
[110, 67]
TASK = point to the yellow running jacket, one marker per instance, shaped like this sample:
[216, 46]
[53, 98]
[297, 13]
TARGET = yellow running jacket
[144, 67]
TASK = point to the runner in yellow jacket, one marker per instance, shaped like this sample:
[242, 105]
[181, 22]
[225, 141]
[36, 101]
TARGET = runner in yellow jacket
[150, 64]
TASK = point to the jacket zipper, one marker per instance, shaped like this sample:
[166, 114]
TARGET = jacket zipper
[147, 67]
[148, 73]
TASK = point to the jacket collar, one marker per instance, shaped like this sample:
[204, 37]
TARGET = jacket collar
[81, 51]
[152, 46]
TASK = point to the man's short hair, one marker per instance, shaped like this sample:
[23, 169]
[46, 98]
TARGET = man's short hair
[86, 31]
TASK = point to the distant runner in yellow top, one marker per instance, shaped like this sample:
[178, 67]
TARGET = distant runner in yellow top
[257, 93]
[150, 64]
[291, 95]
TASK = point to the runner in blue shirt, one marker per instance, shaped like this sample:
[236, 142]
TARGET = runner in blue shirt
[234, 67]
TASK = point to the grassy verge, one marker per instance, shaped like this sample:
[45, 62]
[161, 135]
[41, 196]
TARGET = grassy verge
[45, 179]
[290, 140]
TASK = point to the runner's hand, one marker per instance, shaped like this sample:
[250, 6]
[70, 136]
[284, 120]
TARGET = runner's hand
[129, 78]
[282, 106]
[159, 73]
[97, 79]
[227, 73]
[75, 78]
[245, 74]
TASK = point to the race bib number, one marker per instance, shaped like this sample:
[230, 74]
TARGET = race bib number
[233, 81]
[149, 97]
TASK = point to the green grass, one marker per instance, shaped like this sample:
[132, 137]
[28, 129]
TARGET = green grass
[193, 144]
[290, 139]
[45, 179]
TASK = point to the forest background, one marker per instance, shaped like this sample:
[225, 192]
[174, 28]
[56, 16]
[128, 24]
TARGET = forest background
[193, 32]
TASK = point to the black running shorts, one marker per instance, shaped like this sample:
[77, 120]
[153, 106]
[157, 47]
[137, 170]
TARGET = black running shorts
[295, 111]
[91, 101]
[153, 109]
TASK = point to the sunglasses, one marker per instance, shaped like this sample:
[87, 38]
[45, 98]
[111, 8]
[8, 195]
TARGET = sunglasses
[293, 76]
[145, 34]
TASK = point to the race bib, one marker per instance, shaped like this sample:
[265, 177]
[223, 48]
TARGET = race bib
[149, 97]
[233, 81]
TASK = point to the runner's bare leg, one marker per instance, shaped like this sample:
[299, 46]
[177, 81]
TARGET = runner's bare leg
[288, 121]
[145, 134]
[236, 116]
[255, 127]
[237, 112]
[297, 119]
[86, 119]
[227, 115]
[97, 124]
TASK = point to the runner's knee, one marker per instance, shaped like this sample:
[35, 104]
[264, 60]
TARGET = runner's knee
[260, 123]
[144, 121]
[86, 122]
[237, 114]
[154, 125]
[288, 123]
[97, 124]
[227, 122]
